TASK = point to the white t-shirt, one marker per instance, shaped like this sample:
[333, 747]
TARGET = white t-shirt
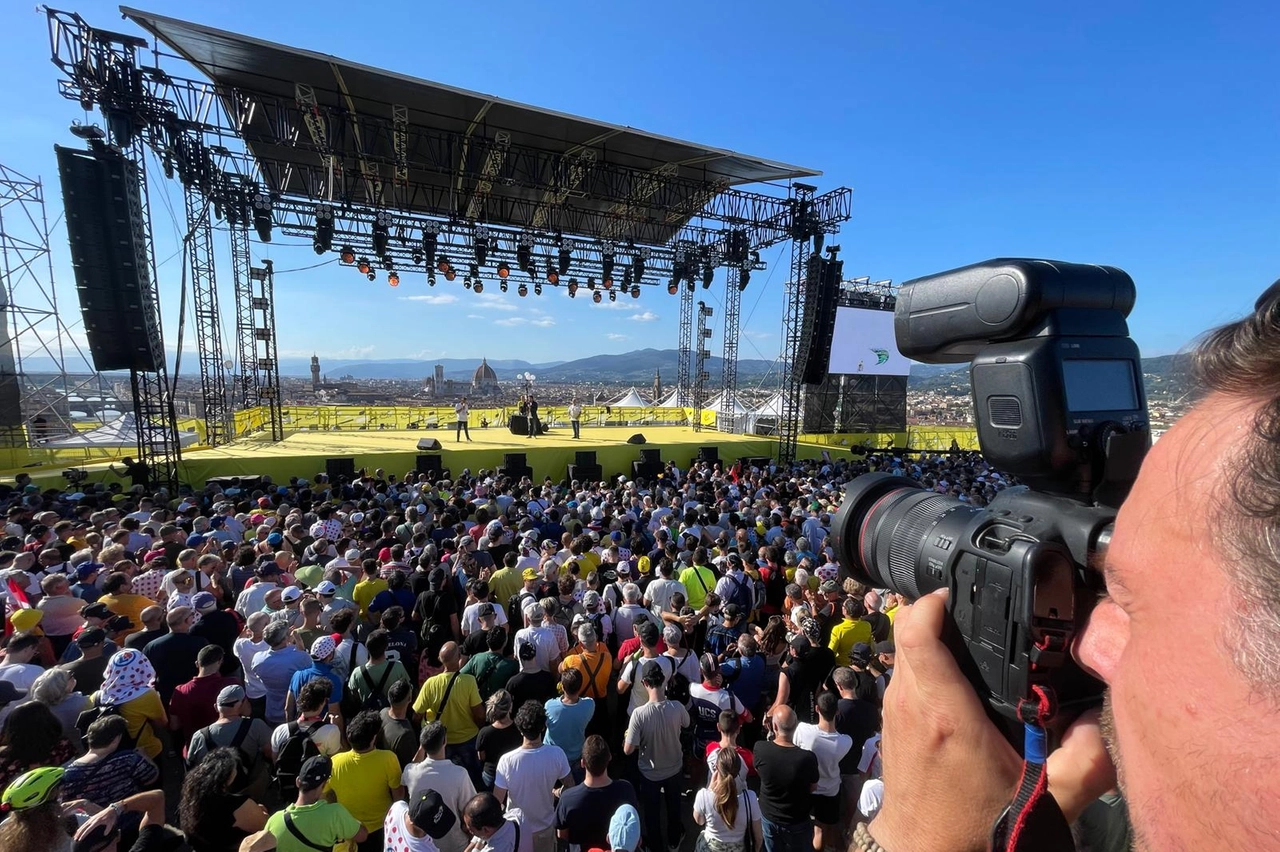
[471, 618]
[704, 804]
[529, 776]
[870, 762]
[633, 671]
[871, 798]
[245, 649]
[21, 675]
[453, 784]
[829, 748]
[545, 643]
[328, 738]
[714, 755]
[396, 836]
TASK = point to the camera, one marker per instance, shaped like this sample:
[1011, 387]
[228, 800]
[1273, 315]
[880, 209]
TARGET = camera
[1059, 403]
[75, 475]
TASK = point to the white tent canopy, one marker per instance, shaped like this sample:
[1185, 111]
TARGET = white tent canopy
[672, 400]
[121, 432]
[717, 404]
[631, 399]
[771, 407]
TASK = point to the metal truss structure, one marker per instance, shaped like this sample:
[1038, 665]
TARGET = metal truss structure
[33, 393]
[701, 376]
[393, 196]
[204, 290]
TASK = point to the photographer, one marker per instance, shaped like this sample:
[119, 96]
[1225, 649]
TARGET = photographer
[1200, 520]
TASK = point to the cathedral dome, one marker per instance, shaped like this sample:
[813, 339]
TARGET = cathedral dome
[484, 375]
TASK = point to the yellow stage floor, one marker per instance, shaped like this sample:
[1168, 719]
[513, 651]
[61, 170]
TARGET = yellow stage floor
[305, 453]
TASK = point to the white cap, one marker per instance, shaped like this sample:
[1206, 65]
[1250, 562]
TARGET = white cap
[291, 594]
[326, 587]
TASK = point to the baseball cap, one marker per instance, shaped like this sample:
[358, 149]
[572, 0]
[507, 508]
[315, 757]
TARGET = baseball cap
[529, 574]
[624, 829]
[733, 611]
[352, 556]
[231, 695]
[485, 610]
[860, 653]
[885, 647]
[432, 815]
[153, 556]
[195, 540]
[624, 568]
[91, 636]
[323, 648]
[291, 594]
[315, 771]
[591, 600]
[274, 538]
[87, 569]
[204, 602]
[466, 539]
[325, 587]
[96, 610]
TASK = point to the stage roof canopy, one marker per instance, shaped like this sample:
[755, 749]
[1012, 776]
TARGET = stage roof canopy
[267, 68]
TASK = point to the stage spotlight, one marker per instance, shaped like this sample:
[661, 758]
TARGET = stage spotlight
[626, 279]
[635, 291]
[429, 243]
[613, 296]
[262, 216]
[372, 276]
[431, 279]
[553, 277]
[482, 244]
[524, 252]
[690, 284]
[573, 287]
[522, 290]
[475, 271]
[537, 289]
[347, 255]
[597, 296]
[503, 270]
[443, 265]
[673, 286]
[608, 282]
[450, 274]
[363, 266]
[606, 264]
[591, 282]
[381, 233]
[565, 256]
[323, 240]
[466, 283]
[478, 286]
[417, 257]
[638, 259]
[744, 279]
[387, 263]
[393, 278]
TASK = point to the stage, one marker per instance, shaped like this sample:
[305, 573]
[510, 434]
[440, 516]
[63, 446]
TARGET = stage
[304, 454]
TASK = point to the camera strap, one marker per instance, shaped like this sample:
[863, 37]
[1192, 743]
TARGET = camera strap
[1033, 820]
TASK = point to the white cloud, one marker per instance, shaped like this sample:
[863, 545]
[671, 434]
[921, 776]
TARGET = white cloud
[433, 298]
[497, 302]
[644, 316]
[757, 335]
[629, 305]
[476, 316]
[537, 322]
[357, 351]
[613, 336]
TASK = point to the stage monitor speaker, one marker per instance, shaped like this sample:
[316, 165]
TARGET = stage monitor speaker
[585, 472]
[107, 235]
[637, 438]
[709, 454]
[584, 458]
[651, 456]
[428, 444]
[823, 305]
[513, 460]
[430, 464]
[335, 468]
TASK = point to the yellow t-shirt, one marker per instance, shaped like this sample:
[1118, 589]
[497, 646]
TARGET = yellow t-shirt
[363, 783]
[845, 635]
[136, 712]
[504, 583]
[130, 605]
[364, 593]
[697, 583]
[456, 715]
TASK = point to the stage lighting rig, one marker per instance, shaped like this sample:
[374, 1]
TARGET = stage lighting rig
[393, 278]
[372, 276]
[673, 286]
[522, 290]
[450, 274]
[347, 255]
[553, 276]
[744, 279]
[597, 296]
[635, 291]
[443, 264]
[364, 266]
[478, 286]
[573, 287]
[481, 243]
[638, 260]
[591, 282]
[524, 251]
[431, 279]
[606, 262]
[262, 216]
[323, 240]
[537, 289]
[381, 233]
[502, 285]
[564, 256]
[613, 295]
[503, 270]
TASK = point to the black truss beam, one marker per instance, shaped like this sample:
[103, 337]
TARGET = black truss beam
[726, 421]
[204, 291]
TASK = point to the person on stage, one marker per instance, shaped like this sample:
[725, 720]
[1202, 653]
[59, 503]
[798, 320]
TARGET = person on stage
[463, 411]
[575, 417]
[533, 416]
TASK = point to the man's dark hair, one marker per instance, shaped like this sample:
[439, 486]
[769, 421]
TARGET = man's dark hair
[114, 583]
[484, 811]
[827, 704]
[341, 620]
[531, 720]
[653, 676]
[209, 655]
[596, 755]
[377, 642]
[314, 694]
[571, 680]
[1242, 360]
[22, 642]
[496, 639]
[432, 737]
[363, 729]
[399, 692]
[105, 729]
[370, 567]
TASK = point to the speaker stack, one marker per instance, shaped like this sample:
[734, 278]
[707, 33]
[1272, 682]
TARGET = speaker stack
[340, 468]
[584, 467]
[515, 466]
[649, 465]
[710, 455]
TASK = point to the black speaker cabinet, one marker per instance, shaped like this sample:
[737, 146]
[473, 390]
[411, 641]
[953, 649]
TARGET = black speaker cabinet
[428, 444]
[584, 458]
[709, 454]
[585, 472]
[652, 456]
[431, 465]
[335, 468]
[637, 438]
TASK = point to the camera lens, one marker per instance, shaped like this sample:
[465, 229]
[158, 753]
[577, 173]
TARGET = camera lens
[887, 529]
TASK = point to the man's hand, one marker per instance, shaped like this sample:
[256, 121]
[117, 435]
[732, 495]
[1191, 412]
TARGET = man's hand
[948, 771]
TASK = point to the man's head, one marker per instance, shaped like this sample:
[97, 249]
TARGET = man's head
[152, 617]
[209, 659]
[277, 634]
[483, 815]
[450, 656]
[1205, 506]
[233, 702]
[433, 738]
[314, 695]
[180, 619]
[362, 730]
[596, 756]
[531, 720]
[784, 722]
[571, 682]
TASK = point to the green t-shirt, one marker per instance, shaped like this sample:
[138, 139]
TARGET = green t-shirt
[323, 823]
[364, 688]
[490, 675]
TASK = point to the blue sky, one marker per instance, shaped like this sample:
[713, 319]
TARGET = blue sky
[1144, 135]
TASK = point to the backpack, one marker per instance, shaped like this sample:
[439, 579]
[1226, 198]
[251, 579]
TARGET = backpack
[101, 711]
[298, 748]
[377, 698]
[610, 641]
[743, 594]
[515, 611]
[245, 761]
[678, 683]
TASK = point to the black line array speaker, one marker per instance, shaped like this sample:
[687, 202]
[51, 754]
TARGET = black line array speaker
[515, 465]
[584, 472]
[428, 444]
[335, 468]
[652, 456]
[430, 464]
[822, 303]
[637, 438]
[584, 458]
[107, 233]
[710, 455]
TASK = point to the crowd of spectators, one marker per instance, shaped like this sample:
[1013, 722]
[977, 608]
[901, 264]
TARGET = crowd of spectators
[475, 663]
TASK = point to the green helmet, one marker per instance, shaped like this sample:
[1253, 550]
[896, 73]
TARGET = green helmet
[31, 789]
